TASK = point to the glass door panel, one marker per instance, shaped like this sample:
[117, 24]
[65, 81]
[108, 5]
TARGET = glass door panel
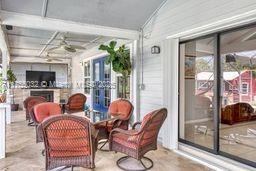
[237, 125]
[102, 79]
[107, 94]
[197, 92]
[96, 89]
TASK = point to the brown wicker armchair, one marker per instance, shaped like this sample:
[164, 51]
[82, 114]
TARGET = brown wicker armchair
[75, 103]
[136, 143]
[29, 103]
[120, 108]
[69, 141]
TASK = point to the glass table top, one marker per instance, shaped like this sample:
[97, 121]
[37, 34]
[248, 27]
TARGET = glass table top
[95, 116]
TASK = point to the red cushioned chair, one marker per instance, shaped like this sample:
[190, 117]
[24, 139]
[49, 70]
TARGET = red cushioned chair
[75, 103]
[69, 141]
[120, 108]
[29, 103]
[42, 111]
[136, 143]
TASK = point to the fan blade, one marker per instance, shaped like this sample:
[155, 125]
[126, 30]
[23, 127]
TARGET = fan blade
[54, 48]
[77, 47]
[51, 44]
[69, 49]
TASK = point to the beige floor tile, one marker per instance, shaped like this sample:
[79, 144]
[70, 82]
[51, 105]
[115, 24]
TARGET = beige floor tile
[23, 154]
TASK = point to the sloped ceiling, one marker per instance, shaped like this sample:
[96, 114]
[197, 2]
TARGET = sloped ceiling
[126, 14]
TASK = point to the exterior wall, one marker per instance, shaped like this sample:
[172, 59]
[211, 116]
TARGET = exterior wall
[246, 78]
[174, 17]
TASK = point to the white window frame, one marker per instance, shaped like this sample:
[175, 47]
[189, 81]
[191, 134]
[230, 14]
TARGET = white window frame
[87, 76]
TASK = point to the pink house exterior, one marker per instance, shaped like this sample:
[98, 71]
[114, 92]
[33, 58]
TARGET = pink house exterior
[231, 83]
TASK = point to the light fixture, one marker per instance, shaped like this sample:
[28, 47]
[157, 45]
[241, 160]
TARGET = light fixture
[155, 49]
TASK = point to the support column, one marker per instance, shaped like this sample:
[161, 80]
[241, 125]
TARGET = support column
[2, 132]
[5, 66]
[134, 81]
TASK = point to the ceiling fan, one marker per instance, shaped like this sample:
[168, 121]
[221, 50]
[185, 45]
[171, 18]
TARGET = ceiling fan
[68, 47]
[48, 58]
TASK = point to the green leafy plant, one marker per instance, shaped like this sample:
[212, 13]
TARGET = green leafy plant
[11, 78]
[119, 58]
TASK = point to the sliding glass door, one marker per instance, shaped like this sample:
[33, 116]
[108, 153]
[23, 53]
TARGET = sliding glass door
[197, 84]
[218, 94]
[237, 125]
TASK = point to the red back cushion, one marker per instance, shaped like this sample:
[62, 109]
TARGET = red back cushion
[146, 118]
[120, 108]
[151, 125]
[68, 138]
[44, 110]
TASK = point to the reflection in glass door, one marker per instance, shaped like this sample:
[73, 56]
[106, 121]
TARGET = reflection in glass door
[238, 119]
[101, 90]
[197, 84]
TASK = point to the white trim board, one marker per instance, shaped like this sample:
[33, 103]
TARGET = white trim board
[37, 22]
[170, 92]
[210, 160]
[235, 21]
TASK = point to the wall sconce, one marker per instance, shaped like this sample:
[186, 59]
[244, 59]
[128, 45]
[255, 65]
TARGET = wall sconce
[81, 63]
[155, 50]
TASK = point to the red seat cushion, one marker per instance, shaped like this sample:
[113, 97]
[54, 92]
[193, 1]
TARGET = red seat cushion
[126, 140]
[44, 110]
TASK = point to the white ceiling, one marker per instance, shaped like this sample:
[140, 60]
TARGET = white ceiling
[126, 14]
[26, 42]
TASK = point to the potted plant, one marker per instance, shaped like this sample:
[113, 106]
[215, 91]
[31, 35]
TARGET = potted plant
[119, 58]
[11, 78]
[2, 90]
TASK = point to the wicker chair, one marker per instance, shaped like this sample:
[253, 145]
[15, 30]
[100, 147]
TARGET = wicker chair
[136, 143]
[120, 108]
[75, 103]
[42, 111]
[69, 141]
[28, 103]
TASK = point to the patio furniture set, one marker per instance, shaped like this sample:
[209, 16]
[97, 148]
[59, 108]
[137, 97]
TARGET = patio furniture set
[71, 139]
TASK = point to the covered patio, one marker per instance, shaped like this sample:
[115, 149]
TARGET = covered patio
[127, 85]
[37, 39]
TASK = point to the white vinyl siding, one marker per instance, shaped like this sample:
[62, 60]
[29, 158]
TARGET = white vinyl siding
[174, 17]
